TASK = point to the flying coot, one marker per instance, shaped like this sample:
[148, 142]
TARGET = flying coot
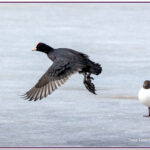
[65, 63]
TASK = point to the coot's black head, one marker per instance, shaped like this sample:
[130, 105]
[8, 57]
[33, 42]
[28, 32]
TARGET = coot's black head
[146, 84]
[43, 48]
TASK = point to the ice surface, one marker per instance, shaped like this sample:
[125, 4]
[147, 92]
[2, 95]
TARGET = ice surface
[115, 35]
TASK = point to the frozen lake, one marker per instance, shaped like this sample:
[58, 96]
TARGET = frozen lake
[115, 35]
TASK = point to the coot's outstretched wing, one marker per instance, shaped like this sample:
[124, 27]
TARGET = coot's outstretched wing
[55, 76]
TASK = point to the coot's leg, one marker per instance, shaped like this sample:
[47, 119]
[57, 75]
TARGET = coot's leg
[85, 76]
[89, 76]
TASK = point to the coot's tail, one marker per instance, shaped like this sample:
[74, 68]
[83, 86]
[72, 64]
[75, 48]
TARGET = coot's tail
[95, 68]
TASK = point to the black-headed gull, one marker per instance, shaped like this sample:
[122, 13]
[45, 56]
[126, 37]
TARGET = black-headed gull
[144, 95]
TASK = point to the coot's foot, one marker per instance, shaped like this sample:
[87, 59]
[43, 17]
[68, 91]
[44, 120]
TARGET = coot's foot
[90, 86]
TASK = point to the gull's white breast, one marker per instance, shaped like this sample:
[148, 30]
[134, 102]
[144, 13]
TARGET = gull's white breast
[144, 96]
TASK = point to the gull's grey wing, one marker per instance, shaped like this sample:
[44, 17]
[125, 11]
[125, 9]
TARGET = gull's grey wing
[54, 77]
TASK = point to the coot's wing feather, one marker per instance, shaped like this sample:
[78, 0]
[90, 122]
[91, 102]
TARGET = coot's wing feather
[54, 77]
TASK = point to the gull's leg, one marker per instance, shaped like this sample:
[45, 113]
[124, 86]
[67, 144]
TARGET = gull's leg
[148, 113]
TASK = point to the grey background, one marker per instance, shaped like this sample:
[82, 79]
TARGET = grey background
[115, 35]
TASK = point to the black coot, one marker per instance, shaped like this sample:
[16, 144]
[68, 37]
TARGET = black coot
[65, 63]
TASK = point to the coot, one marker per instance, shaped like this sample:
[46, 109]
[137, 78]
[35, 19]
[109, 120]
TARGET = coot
[65, 63]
